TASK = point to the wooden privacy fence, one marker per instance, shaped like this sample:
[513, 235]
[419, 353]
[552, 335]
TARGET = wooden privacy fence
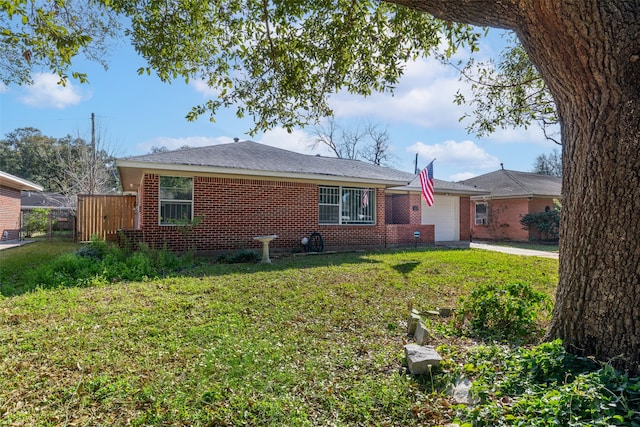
[104, 215]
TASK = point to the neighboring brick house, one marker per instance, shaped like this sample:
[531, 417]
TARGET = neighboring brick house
[512, 195]
[10, 188]
[449, 213]
[244, 189]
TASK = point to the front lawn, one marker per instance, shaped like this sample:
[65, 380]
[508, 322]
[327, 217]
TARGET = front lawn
[15, 263]
[311, 341]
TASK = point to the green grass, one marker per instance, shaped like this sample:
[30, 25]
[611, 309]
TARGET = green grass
[305, 341]
[16, 262]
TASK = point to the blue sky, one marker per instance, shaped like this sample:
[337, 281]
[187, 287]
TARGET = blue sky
[135, 113]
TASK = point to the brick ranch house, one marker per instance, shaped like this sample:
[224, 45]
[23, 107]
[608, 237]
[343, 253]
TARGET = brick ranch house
[449, 212]
[512, 194]
[241, 190]
[10, 188]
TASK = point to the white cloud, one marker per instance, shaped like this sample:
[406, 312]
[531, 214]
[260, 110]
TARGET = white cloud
[462, 176]
[424, 97]
[45, 92]
[463, 154]
[298, 141]
[532, 135]
[3, 88]
[202, 87]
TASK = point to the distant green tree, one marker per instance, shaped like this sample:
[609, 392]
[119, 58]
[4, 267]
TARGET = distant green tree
[26, 153]
[36, 221]
[61, 165]
[164, 149]
[548, 164]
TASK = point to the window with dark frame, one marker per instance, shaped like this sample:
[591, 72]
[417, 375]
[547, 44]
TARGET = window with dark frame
[481, 213]
[176, 200]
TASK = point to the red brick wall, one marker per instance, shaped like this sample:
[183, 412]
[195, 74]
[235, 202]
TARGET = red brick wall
[415, 216]
[234, 211]
[504, 218]
[9, 212]
[388, 208]
[400, 207]
[402, 234]
[539, 205]
[465, 222]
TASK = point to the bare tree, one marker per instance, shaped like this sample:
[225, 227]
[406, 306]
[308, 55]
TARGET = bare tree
[87, 167]
[378, 150]
[328, 135]
[364, 141]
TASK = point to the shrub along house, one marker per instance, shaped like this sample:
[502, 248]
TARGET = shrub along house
[60, 215]
[10, 201]
[231, 193]
[513, 194]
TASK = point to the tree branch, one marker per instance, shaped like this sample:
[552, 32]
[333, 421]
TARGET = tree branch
[486, 13]
[272, 49]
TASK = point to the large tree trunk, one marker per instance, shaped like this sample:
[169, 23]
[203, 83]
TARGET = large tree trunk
[588, 54]
[590, 63]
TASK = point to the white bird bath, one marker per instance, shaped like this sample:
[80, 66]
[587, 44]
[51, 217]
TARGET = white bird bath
[265, 246]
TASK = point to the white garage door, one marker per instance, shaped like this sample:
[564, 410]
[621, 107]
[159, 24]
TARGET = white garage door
[445, 215]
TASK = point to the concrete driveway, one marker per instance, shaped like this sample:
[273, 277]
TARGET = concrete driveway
[513, 251]
[8, 244]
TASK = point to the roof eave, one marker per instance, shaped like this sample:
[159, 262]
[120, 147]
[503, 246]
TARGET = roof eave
[519, 196]
[12, 181]
[405, 189]
[147, 166]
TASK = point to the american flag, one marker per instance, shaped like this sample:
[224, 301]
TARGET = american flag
[365, 198]
[426, 181]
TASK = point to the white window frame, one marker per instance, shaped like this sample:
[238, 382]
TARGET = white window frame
[481, 218]
[351, 205]
[165, 198]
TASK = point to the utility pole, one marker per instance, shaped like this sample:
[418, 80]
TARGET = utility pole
[92, 169]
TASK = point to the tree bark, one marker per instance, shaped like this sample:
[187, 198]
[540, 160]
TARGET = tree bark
[591, 67]
[588, 54]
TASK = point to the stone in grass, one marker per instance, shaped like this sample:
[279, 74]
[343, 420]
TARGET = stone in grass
[420, 358]
[421, 335]
[445, 312]
[412, 322]
[461, 392]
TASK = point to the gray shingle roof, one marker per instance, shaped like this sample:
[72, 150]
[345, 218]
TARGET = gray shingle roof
[508, 183]
[254, 157]
[30, 199]
[440, 186]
